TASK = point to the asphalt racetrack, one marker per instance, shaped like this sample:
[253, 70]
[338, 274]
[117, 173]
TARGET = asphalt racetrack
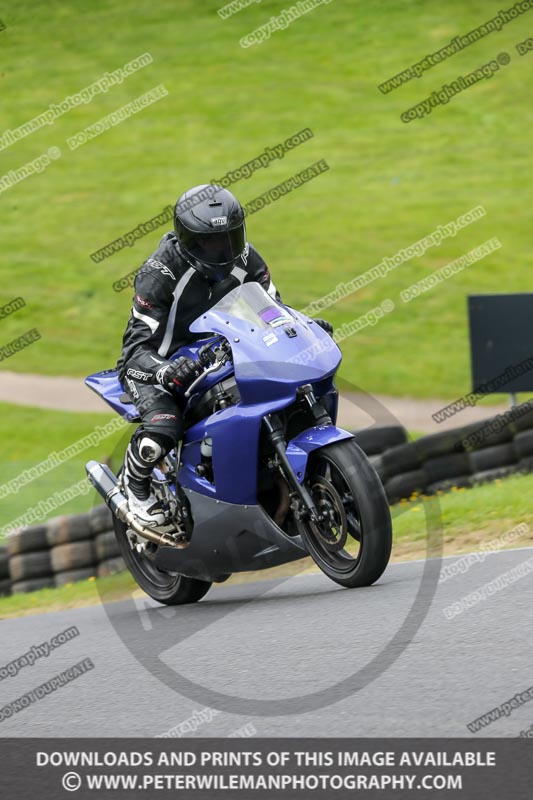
[272, 643]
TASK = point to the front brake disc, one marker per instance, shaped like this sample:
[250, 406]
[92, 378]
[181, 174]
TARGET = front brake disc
[333, 531]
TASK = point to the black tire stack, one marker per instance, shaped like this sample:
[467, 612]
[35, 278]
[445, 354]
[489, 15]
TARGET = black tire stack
[377, 440]
[108, 555]
[106, 549]
[463, 457]
[5, 578]
[30, 567]
[63, 550]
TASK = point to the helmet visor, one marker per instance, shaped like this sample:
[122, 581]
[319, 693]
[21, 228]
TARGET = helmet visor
[216, 249]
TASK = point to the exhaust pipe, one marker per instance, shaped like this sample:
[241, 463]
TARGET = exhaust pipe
[106, 484]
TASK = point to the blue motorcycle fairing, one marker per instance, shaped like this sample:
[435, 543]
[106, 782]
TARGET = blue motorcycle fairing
[234, 432]
[107, 385]
[269, 361]
[228, 452]
[275, 350]
[299, 448]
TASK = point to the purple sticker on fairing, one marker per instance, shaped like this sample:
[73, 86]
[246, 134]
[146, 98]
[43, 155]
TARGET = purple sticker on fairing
[273, 316]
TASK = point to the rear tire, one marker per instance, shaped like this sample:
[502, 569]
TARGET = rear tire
[359, 514]
[168, 588]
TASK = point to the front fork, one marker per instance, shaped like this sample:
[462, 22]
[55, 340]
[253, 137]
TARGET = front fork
[275, 430]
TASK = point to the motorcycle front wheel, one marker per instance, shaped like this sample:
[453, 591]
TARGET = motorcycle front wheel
[352, 544]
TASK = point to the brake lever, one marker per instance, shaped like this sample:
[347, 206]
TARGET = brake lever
[213, 368]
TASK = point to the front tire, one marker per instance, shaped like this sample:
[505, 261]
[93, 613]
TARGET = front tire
[353, 546]
[165, 587]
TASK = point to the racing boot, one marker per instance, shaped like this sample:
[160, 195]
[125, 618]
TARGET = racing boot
[141, 456]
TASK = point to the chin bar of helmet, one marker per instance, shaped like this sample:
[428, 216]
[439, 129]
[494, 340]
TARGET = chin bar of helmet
[106, 484]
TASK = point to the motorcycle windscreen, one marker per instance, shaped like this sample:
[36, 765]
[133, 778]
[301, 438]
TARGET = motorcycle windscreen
[268, 340]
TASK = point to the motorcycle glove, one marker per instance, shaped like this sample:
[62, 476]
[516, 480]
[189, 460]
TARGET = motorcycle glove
[178, 373]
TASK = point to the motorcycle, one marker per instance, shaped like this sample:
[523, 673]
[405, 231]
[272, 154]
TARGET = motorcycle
[263, 475]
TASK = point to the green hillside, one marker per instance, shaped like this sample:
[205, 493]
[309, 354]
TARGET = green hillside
[389, 183]
[42, 469]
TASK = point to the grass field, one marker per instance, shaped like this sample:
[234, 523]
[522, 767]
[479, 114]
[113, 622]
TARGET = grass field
[469, 517]
[463, 521]
[33, 435]
[389, 184]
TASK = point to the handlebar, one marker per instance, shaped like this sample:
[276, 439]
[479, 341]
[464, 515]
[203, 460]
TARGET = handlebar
[206, 356]
[213, 358]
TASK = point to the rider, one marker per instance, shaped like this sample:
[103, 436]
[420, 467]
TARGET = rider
[205, 257]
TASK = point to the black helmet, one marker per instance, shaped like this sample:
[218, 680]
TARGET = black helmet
[209, 225]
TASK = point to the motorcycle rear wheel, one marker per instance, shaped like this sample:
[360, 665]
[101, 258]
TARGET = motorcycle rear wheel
[168, 588]
[353, 546]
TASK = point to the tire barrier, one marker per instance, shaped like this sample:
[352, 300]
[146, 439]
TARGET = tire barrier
[524, 421]
[110, 567]
[73, 575]
[499, 455]
[68, 529]
[5, 580]
[443, 468]
[405, 485]
[494, 474]
[61, 551]
[526, 464]
[21, 587]
[460, 482]
[100, 519]
[30, 565]
[373, 441]
[76, 547]
[4, 563]
[400, 459]
[106, 546]
[28, 540]
[461, 458]
[523, 443]
[76, 555]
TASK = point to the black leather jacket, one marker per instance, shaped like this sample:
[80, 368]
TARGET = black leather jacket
[169, 296]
